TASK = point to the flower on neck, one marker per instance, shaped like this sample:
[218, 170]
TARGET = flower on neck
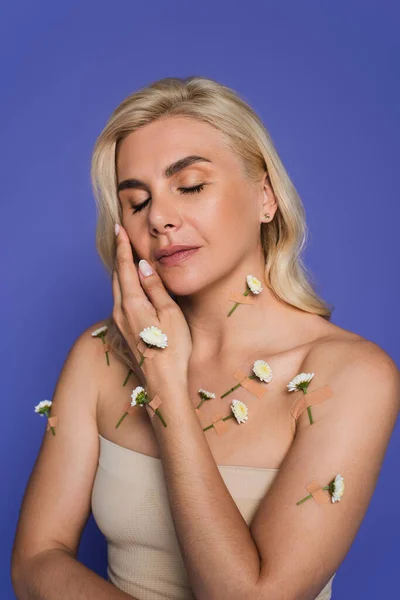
[261, 370]
[253, 285]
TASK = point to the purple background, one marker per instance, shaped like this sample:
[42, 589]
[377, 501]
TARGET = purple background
[324, 77]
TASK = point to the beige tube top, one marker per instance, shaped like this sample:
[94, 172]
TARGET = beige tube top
[131, 508]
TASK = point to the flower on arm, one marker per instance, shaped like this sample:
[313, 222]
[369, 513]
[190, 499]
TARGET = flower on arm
[261, 370]
[43, 409]
[301, 382]
[101, 333]
[335, 488]
[253, 285]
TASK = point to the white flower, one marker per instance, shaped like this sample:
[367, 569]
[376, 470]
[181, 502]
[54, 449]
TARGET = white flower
[262, 370]
[98, 331]
[154, 336]
[300, 382]
[206, 395]
[254, 284]
[43, 407]
[337, 488]
[240, 411]
[138, 396]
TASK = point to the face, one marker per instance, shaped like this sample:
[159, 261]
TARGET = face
[220, 216]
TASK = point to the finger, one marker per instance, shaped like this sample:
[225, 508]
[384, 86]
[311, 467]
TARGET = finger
[154, 287]
[116, 289]
[131, 290]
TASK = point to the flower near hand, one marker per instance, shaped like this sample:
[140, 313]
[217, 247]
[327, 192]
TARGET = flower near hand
[335, 488]
[254, 286]
[239, 412]
[301, 382]
[101, 333]
[261, 370]
[43, 409]
[139, 398]
[204, 395]
[153, 336]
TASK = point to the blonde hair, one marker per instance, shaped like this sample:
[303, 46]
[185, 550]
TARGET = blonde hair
[207, 100]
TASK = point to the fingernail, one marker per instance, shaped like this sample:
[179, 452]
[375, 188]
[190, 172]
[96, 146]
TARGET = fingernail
[116, 229]
[145, 268]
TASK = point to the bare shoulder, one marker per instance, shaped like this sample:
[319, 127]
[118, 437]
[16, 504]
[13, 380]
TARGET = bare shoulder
[349, 359]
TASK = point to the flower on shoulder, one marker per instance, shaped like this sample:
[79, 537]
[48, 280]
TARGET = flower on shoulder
[43, 409]
[240, 411]
[301, 383]
[253, 285]
[204, 395]
[153, 336]
[101, 333]
[335, 488]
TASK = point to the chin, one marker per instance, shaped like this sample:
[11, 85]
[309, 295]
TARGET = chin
[178, 284]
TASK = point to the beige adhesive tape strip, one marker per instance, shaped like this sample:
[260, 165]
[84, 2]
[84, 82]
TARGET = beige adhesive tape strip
[106, 347]
[252, 386]
[238, 297]
[129, 409]
[155, 403]
[51, 422]
[317, 492]
[309, 399]
[219, 425]
[143, 349]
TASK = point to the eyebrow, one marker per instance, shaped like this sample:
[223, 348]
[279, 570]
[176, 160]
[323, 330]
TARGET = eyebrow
[171, 170]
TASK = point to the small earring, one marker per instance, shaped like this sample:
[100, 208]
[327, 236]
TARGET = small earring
[267, 216]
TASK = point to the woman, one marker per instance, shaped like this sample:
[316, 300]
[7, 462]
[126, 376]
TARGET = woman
[204, 491]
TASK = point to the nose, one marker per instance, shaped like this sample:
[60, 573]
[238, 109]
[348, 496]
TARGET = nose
[163, 216]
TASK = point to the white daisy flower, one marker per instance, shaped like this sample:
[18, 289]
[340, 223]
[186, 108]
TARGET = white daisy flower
[254, 284]
[138, 396]
[205, 394]
[300, 382]
[337, 488]
[240, 411]
[154, 337]
[262, 370]
[43, 407]
[99, 331]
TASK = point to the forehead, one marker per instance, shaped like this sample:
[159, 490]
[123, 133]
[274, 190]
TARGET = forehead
[149, 149]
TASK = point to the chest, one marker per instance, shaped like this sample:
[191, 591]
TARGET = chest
[261, 441]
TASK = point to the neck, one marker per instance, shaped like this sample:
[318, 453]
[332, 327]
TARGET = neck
[269, 322]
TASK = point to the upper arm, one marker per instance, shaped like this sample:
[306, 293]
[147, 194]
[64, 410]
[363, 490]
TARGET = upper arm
[56, 503]
[301, 546]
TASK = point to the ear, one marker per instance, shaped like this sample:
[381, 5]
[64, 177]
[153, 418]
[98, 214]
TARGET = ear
[269, 204]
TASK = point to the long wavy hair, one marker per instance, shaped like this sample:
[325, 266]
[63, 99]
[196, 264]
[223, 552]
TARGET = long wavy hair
[282, 239]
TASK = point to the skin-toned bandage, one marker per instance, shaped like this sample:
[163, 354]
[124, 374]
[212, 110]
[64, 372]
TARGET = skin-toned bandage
[129, 409]
[51, 422]
[317, 493]
[143, 349]
[309, 399]
[106, 347]
[238, 297]
[220, 426]
[155, 403]
[254, 387]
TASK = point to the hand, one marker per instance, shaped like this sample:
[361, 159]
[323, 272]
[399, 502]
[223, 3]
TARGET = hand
[141, 301]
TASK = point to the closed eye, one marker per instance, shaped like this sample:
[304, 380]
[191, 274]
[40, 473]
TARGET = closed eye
[191, 190]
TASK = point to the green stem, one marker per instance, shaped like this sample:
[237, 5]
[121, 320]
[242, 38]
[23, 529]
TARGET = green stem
[308, 408]
[161, 417]
[232, 309]
[121, 419]
[236, 386]
[108, 360]
[141, 360]
[304, 499]
[127, 377]
[52, 430]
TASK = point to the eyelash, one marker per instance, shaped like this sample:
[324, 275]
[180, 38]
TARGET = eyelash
[192, 190]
